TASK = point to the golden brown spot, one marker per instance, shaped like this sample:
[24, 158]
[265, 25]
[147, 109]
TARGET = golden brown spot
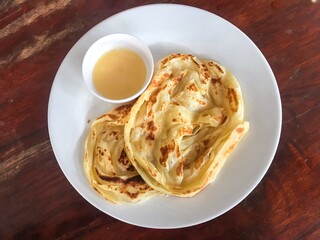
[233, 99]
[219, 68]
[185, 131]
[124, 160]
[151, 126]
[185, 56]
[205, 70]
[179, 169]
[130, 168]
[153, 97]
[225, 118]
[178, 151]
[172, 56]
[199, 163]
[168, 75]
[133, 181]
[163, 105]
[201, 102]
[96, 190]
[187, 166]
[150, 136]
[195, 62]
[164, 87]
[114, 134]
[174, 120]
[151, 172]
[176, 103]
[158, 80]
[150, 113]
[215, 80]
[239, 130]
[229, 150]
[165, 151]
[132, 195]
[164, 61]
[178, 78]
[123, 109]
[217, 118]
[112, 116]
[192, 87]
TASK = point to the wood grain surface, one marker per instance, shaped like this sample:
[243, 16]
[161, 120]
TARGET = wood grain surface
[37, 201]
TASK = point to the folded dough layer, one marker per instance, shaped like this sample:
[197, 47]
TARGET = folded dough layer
[106, 164]
[183, 127]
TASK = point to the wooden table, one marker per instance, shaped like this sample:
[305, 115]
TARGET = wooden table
[37, 201]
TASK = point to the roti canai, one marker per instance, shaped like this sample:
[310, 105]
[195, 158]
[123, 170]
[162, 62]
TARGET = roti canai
[106, 164]
[183, 127]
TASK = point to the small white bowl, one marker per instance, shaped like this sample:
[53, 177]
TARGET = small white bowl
[108, 43]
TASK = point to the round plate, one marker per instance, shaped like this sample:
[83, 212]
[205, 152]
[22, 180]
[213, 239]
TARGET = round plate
[168, 28]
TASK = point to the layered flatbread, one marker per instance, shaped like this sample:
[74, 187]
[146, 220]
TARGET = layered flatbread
[182, 128]
[106, 164]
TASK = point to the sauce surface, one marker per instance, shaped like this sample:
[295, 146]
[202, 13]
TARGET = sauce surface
[119, 73]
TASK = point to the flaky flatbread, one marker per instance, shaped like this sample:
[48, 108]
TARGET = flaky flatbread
[182, 128]
[106, 165]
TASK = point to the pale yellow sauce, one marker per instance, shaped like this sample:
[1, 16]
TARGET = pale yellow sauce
[119, 73]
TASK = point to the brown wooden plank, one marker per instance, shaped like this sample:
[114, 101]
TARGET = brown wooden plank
[36, 200]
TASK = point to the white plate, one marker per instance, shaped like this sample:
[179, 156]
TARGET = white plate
[168, 28]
